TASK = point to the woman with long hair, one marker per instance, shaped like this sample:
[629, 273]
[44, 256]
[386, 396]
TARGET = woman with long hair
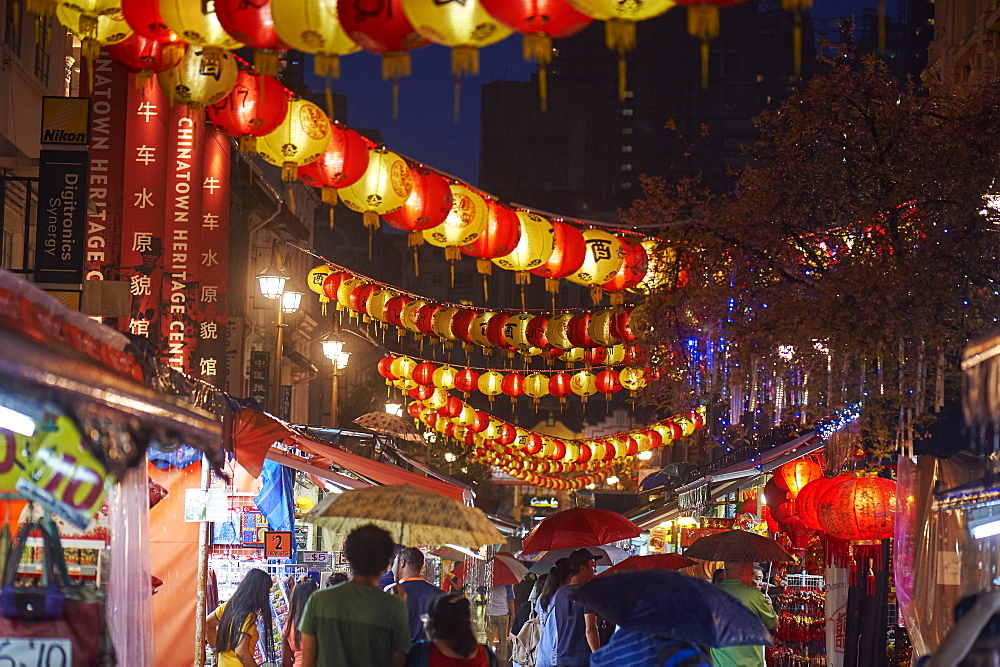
[232, 627]
[556, 579]
[291, 637]
[451, 639]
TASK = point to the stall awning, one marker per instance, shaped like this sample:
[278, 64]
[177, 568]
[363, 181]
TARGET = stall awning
[306, 466]
[771, 459]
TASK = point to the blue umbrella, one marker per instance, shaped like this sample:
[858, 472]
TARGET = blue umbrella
[675, 606]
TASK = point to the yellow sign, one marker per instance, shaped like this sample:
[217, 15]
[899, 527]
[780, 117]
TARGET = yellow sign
[66, 120]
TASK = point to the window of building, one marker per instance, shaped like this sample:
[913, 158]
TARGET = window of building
[12, 26]
[627, 148]
[626, 130]
[627, 185]
[43, 49]
[626, 167]
[626, 112]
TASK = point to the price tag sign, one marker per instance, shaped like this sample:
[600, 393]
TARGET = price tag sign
[41, 651]
[316, 560]
[278, 544]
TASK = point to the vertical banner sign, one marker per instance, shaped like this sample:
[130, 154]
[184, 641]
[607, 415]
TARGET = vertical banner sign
[259, 373]
[109, 108]
[62, 216]
[213, 264]
[181, 238]
[146, 164]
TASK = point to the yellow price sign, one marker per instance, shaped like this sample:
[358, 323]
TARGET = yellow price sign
[62, 475]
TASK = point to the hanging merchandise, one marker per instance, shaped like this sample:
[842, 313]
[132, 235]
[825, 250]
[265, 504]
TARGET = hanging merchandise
[604, 258]
[200, 79]
[533, 249]
[251, 24]
[300, 138]
[146, 56]
[255, 106]
[859, 507]
[383, 188]
[343, 163]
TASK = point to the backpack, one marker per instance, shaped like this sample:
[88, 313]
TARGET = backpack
[524, 645]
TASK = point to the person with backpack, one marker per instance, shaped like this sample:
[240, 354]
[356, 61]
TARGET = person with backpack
[544, 650]
[451, 639]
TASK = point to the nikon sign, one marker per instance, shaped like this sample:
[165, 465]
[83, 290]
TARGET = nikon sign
[66, 121]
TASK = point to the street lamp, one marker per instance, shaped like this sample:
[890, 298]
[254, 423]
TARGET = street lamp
[334, 351]
[394, 409]
[272, 281]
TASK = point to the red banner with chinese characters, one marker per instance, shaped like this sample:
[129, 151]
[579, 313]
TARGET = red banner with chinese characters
[182, 249]
[146, 161]
[109, 95]
[213, 259]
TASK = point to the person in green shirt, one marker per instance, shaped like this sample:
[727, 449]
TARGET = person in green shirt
[739, 582]
[355, 623]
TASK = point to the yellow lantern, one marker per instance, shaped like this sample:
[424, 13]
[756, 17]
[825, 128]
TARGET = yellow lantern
[317, 277]
[376, 303]
[402, 367]
[477, 330]
[301, 138]
[382, 189]
[489, 384]
[687, 426]
[95, 23]
[603, 258]
[583, 384]
[441, 322]
[195, 22]
[408, 316]
[572, 452]
[444, 377]
[532, 352]
[516, 330]
[666, 433]
[632, 378]
[536, 385]
[616, 355]
[573, 355]
[312, 26]
[532, 250]
[493, 429]
[438, 400]
[464, 27]
[467, 416]
[557, 331]
[465, 222]
[599, 327]
[598, 450]
[641, 440]
[344, 293]
[404, 384]
[197, 81]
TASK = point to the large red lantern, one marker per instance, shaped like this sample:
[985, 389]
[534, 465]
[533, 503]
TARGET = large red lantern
[799, 534]
[495, 330]
[453, 407]
[146, 56]
[466, 381]
[393, 313]
[427, 206]
[423, 373]
[536, 331]
[621, 327]
[578, 331]
[513, 385]
[632, 271]
[331, 284]
[382, 29]
[785, 511]
[859, 508]
[498, 238]
[794, 475]
[808, 499]
[461, 325]
[481, 422]
[559, 386]
[384, 368]
[144, 17]
[568, 252]
[425, 318]
[255, 106]
[251, 24]
[343, 163]
[607, 382]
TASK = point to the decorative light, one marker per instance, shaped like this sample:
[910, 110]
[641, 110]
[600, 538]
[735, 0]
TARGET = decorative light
[612, 480]
[449, 457]
[687, 521]
[396, 409]
[290, 301]
[331, 348]
[430, 436]
[786, 352]
[644, 456]
[15, 421]
[591, 486]
[828, 427]
[272, 282]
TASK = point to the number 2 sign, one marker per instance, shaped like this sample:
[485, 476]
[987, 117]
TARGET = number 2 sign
[278, 544]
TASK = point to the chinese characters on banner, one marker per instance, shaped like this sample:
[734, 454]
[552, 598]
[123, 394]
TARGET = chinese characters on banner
[162, 192]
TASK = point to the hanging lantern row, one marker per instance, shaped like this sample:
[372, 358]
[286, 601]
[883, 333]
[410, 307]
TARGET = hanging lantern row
[422, 380]
[515, 470]
[457, 420]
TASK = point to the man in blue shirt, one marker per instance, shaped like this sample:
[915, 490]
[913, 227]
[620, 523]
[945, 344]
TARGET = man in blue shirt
[576, 628]
[420, 593]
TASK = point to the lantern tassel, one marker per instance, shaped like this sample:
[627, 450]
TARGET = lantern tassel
[290, 190]
[619, 35]
[414, 239]
[370, 220]
[330, 211]
[265, 61]
[537, 47]
[797, 44]
[451, 274]
[552, 285]
[323, 301]
[452, 253]
[370, 244]
[484, 266]
[329, 100]
[704, 63]
[522, 277]
[543, 87]
[329, 195]
[142, 79]
[289, 172]
[596, 294]
[327, 65]
[457, 100]
[41, 7]
[486, 289]
[416, 262]
[248, 144]
[622, 76]
[617, 298]
[464, 60]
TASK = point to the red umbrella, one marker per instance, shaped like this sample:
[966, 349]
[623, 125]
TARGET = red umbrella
[579, 527]
[652, 561]
[507, 569]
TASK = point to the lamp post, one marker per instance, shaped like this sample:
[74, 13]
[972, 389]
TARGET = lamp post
[272, 281]
[334, 351]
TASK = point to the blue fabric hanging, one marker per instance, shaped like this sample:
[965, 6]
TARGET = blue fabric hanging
[275, 500]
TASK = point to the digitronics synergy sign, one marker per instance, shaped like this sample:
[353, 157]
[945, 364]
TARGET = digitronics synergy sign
[66, 120]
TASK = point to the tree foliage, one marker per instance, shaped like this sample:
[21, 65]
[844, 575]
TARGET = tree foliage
[856, 237]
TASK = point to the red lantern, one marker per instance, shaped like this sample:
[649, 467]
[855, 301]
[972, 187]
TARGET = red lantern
[343, 163]
[799, 534]
[256, 106]
[513, 385]
[421, 392]
[414, 409]
[596, 356]
[794, 475]
[144, 17]
[558, 450]
[785, 511]
[620, 326]
[585, 454]
[359, 297]
[559, 386]
[394, 310]
[508, 434]
[495, 330]
[632, 271]
[423, 373]
[578, 330]
[453, 407]
[427, 206]
[467, 380]
[568, 252]
[425, 318]
[808, 502]
[607, 382]
[539, 21]
[536, 331]
[332, 283]
[461, 323]
[499, 238]
[250, 23]
[145, 55]
[384, 368]
[655, 439]
[534, 444]
[481, 422]
[859, 508]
